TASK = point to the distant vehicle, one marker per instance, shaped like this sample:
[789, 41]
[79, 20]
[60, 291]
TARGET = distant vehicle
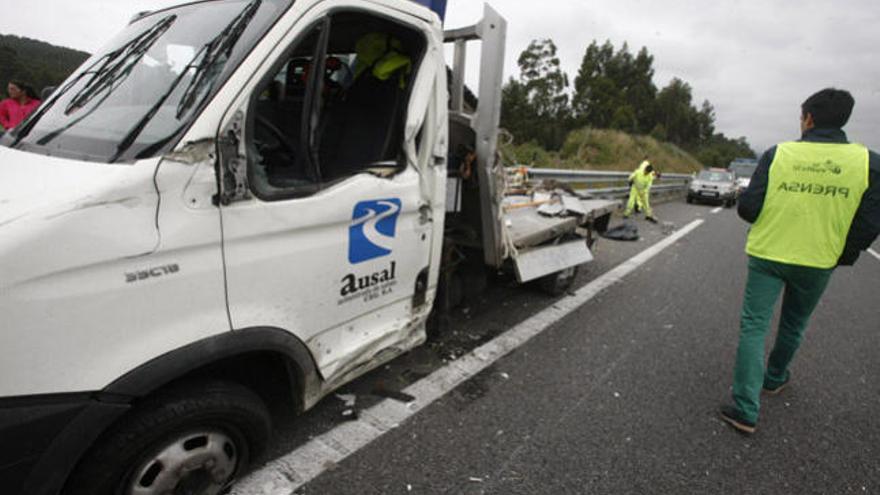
[743, 168]
[716, 185]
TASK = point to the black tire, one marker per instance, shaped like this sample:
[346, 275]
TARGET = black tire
[194, 416]
[690, 200]
[558, 283]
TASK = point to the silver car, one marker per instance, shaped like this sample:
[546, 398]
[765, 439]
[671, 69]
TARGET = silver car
[715, 186]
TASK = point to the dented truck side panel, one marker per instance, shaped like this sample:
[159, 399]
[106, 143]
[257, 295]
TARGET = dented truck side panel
[339, 268]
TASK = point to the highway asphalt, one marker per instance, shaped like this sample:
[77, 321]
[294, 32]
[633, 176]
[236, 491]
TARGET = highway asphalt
[621, 396]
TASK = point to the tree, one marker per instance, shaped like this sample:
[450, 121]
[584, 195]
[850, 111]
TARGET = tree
[705, 122]
[677, 114]
[517, 112]
[719, 150]
[36, 63]
[615, 89]
[537, 105]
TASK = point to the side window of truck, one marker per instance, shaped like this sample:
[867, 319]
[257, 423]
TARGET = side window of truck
[334, 107]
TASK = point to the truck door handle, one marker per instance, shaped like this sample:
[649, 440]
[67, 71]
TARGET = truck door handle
[425, 214]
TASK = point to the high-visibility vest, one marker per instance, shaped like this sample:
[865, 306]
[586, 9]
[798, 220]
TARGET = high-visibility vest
[382, 55]
[813, 193]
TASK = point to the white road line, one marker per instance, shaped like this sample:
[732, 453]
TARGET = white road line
[289, 472]
[716, 210]
[874, 253]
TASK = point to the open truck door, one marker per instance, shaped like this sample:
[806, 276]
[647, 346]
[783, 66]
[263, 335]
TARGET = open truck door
[329, 171]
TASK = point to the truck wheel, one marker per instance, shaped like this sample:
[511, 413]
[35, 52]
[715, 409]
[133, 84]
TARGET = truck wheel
[194, 439]
[558, 283]
[690, 200]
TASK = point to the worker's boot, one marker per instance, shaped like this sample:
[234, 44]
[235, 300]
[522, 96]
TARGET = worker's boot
[651, 219]
[732, 416]
[775, 388]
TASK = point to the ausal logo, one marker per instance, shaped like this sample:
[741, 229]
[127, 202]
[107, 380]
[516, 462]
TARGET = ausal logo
[372, 230]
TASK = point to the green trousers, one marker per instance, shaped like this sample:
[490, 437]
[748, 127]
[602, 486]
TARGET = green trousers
[803, 289]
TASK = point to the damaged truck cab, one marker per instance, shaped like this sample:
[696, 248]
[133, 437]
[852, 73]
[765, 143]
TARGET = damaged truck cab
[238, 205]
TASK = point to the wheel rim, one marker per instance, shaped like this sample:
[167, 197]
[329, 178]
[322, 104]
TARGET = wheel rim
[196, 463]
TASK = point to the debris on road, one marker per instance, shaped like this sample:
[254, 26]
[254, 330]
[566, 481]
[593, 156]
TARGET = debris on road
[627, 231]
[475, 479]
[397, 395]
[349, 401]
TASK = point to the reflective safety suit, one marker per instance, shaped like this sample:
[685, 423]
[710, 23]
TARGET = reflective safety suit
[640, 192]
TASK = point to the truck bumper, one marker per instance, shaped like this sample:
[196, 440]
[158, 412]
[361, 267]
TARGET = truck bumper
[44, 437]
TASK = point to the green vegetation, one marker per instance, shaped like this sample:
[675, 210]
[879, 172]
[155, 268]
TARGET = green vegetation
[613, 90]
[36, 63]
[603, 149]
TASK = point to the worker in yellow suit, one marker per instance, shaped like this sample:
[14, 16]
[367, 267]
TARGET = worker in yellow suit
[640, 191]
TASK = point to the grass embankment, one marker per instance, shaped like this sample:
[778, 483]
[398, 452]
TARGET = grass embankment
[600, 149]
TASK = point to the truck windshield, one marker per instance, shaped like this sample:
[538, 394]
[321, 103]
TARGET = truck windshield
[135, 98]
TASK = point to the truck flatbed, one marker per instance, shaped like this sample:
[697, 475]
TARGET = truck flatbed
[527, 227]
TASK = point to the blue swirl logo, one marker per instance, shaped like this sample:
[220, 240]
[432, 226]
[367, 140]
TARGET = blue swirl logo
[372, 230]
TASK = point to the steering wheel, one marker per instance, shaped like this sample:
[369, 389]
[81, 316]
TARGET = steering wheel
[282, 142]
[288, 167]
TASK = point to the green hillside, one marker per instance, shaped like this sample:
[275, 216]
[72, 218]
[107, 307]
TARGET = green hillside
[37, 63]
[601, 149]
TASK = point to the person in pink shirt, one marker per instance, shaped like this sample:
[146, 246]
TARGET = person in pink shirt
[21, 102]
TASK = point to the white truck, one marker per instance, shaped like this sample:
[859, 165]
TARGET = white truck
[240, 205]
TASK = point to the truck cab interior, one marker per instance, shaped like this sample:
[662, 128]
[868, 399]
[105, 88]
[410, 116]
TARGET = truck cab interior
[334, 106]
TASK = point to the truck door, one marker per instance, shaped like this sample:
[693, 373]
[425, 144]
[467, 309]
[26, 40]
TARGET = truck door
[328, 227]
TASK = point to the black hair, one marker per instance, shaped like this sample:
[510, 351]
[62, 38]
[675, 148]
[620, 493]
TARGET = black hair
[830, 107]
[649, 168]
[25, 88]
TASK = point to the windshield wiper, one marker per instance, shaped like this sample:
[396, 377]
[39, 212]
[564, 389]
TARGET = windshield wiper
[119, 64]
[114, 68]
[221, 46]
[204, 74]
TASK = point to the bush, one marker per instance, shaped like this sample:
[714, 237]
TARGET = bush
[603, 149]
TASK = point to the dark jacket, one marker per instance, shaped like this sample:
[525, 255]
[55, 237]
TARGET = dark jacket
[866, 224]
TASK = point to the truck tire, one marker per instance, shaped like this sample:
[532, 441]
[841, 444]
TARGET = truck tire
[190, 439]
[558, 283]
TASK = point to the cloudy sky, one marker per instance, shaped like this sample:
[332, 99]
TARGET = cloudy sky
[755, 61]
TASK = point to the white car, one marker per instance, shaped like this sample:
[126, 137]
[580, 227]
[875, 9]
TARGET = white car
[714, 185]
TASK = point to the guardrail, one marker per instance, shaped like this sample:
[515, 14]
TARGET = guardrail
[607, 184]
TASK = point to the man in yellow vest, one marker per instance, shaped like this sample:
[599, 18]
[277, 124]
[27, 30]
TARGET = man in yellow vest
[640, 191]
[814, 205]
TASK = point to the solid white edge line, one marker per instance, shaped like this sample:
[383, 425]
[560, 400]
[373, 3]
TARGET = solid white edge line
[287, 473]
[874, 253]
[716, 210]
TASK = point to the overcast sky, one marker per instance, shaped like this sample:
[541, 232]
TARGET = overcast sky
[755, 61]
